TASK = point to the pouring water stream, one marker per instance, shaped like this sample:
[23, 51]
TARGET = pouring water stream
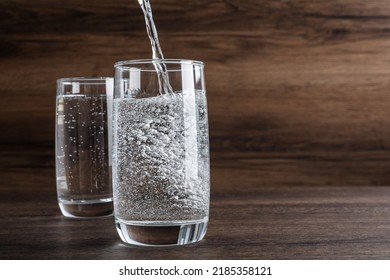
[157, 55]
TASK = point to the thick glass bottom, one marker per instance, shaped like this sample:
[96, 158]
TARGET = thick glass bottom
[86, 209]
[161, 234]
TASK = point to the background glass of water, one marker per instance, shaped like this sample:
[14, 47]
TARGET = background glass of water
[82, 146]
[161, 170]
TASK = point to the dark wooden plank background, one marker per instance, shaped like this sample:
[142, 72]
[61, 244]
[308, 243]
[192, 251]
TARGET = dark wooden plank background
[298, 90]
[298, 93]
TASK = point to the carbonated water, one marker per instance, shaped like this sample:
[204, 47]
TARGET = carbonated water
[160, 151]
[160, 159]
[82, 150]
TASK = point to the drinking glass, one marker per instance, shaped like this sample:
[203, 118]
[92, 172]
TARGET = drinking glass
[83, 166]
[161, 170]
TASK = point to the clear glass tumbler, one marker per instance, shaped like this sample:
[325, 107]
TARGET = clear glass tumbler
[161, 169]
[83, 164]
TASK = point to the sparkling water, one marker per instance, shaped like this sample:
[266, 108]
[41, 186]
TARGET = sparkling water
[82, 150]
[160, 151]
[160, 159]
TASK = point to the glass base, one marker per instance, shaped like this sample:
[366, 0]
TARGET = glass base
[154, 234]
[86, 209]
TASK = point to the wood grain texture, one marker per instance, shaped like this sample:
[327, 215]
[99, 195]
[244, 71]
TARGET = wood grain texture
[257, 222]
[298, 106]
[298, 91]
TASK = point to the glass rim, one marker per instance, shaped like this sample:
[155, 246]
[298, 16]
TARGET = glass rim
[129, 64]
[84, 80]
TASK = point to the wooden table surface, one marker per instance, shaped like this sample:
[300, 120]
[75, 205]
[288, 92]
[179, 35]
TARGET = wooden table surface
[299, 114]
[245, 223]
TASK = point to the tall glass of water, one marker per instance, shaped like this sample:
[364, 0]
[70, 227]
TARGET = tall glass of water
[82, 146]
[161, 170]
